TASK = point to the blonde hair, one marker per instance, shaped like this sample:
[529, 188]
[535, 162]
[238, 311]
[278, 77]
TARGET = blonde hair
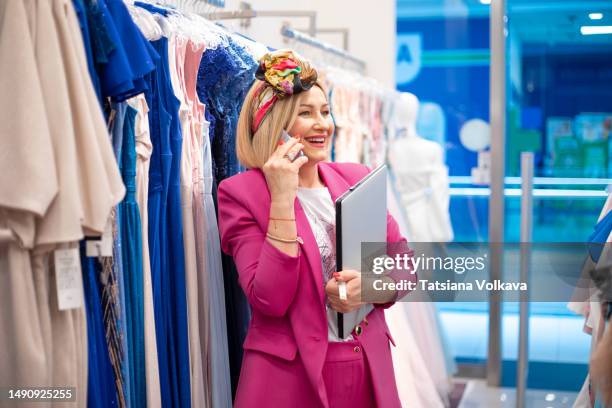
[254, 149]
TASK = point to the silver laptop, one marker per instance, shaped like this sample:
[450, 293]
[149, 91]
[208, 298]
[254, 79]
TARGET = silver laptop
[361, 216]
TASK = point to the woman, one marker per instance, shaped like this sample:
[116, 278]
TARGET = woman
[276, 220]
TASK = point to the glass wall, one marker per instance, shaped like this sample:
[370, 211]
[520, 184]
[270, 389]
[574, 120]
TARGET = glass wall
[443, 58]
[559, 106]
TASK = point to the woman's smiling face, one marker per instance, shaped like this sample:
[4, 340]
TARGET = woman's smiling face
[313, 125]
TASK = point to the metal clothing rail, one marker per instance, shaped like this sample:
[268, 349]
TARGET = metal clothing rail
[288, 32]
[344, 32]
[249, 14]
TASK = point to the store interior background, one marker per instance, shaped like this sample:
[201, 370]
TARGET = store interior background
[559, 93]
[559, 105]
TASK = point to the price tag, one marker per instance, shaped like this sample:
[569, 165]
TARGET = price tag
[103, 246]
[68, 278]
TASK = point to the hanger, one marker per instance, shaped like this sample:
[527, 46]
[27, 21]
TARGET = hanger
[146, 22]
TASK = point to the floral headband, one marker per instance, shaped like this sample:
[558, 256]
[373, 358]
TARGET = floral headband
[282, 77]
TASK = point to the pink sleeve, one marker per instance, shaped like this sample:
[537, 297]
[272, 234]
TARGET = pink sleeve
[267, 275]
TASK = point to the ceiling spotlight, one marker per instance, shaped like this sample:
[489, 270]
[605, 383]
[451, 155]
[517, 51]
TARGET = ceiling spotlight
[485, 1]
[595, 16]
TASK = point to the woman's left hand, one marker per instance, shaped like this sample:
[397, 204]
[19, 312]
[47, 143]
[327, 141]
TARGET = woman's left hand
[353, 291]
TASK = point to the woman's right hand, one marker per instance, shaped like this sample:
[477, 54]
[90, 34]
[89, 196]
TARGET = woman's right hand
[281, 174]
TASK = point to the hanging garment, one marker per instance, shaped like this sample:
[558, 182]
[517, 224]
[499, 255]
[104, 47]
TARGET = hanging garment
[165, 237]
[422, 373]
[101, 374]
[422, 184]
[144, 149]
[177, 50]
[415, 385]
[59, 87]
[59, 46]
[219, 355]
[176, 259]
[224, 76]
[348, 141]
[139, 53]
[62, 220]
[132, 266]
[107, 189]
[193, 57]
[159, 128]
[113, 298]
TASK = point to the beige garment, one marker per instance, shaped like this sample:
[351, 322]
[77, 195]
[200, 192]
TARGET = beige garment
[24, 132]
[348, 145]
[26, 152]
[144, 149]
[62, 220]
[68, 335]
[176, 50]
[40, 345]
[35, 337]
[101, 186]
[25, 349]
[193, 57]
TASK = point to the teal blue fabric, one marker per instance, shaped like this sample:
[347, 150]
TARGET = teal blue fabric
[131, 237]
[120, 324]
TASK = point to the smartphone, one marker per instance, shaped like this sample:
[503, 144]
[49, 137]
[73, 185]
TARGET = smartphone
[285, 137]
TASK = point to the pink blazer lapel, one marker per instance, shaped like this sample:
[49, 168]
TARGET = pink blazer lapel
[336, 186]
[310, 249]
[335, 183]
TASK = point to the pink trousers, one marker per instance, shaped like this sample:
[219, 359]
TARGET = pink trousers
[345, 373]
[347, 376]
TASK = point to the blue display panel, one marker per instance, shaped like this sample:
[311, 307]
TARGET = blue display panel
[445, 63]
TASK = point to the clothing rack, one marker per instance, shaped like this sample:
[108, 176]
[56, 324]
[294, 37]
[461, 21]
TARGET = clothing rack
[247, 14]
[288, 32]
[344, 32]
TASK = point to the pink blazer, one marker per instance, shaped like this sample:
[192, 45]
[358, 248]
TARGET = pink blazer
[286, 344]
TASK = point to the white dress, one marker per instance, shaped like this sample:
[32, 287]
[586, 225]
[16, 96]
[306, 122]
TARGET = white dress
[411, 324]
[421, 179]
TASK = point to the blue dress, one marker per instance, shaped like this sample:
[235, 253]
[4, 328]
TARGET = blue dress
[140, 55]
[118, 55]
[100, 377]
[165, 234]
[105, 342]
[118, 327]
[224, 77]
[132, 266]
[159, 123]
[82, 11]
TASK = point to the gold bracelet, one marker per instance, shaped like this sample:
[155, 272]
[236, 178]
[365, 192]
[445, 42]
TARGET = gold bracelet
[282, 219]
[287, 241]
